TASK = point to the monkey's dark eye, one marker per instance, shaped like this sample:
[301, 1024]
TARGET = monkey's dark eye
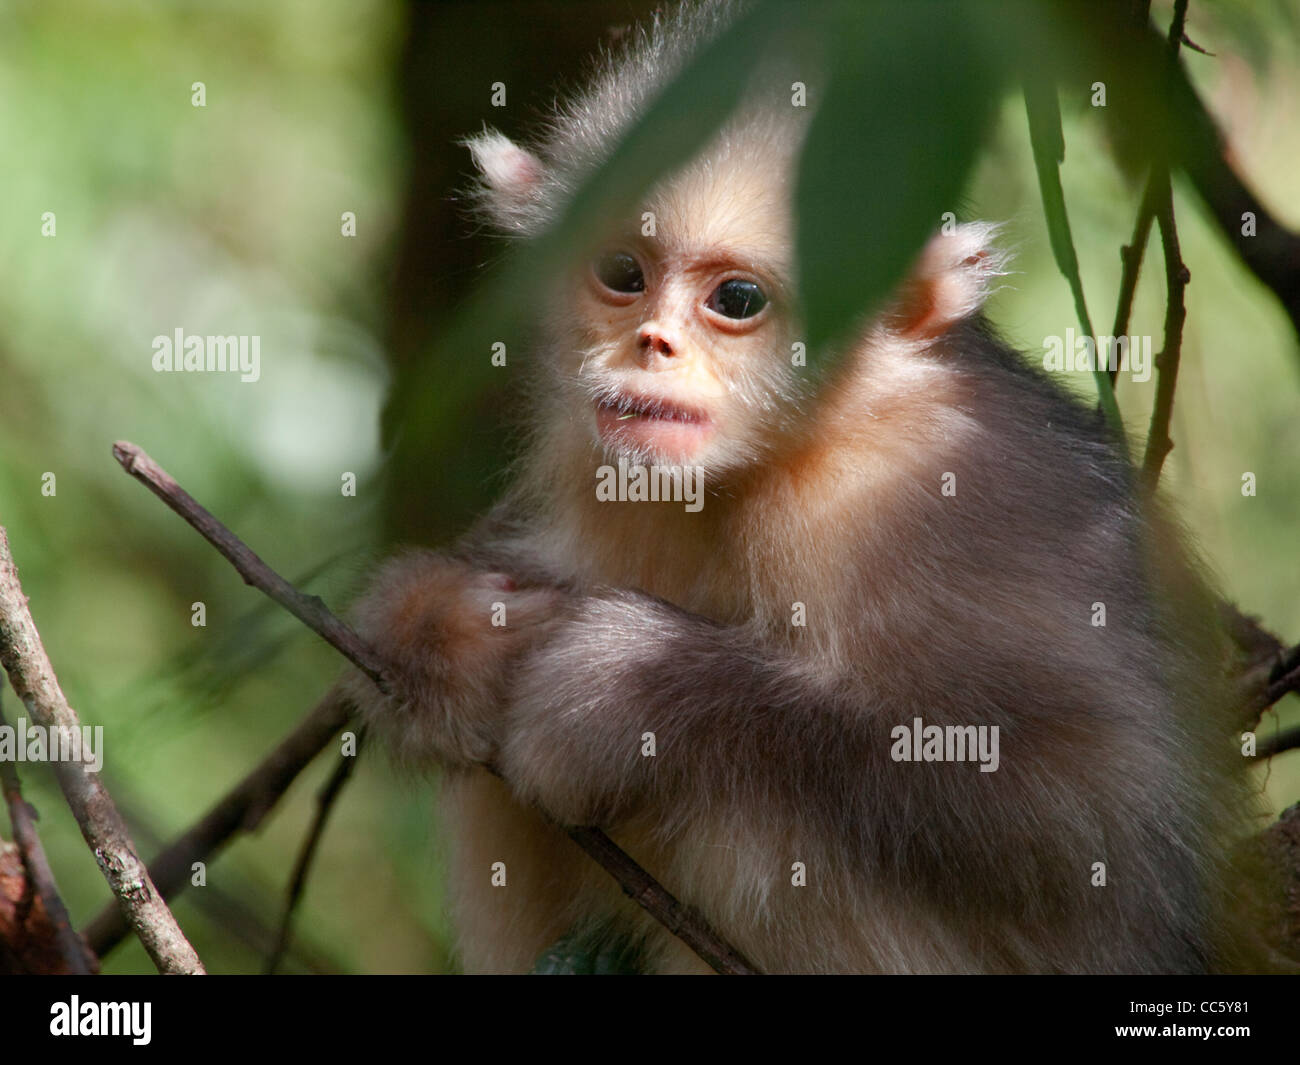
[619, 271]
[737, 299]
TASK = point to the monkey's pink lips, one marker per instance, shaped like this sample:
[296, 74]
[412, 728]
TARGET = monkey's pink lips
[653, 424]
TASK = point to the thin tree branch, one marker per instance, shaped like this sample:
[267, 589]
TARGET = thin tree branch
[1178, 129]
[77, 958]
[1271, 252]
[1177, 24]
[1262, 659]
[1177, 276]
[225, 906]
[325, 801]
[240, 810]
[1187, 135]
[1285, 678]
[685, 923]
[33, 678]
[1130, 254]
[1266, 680]
[1160, 197]
[1255, 642]
[1288, 739]
[1131, 257]
[1181, 131]
[309, 609]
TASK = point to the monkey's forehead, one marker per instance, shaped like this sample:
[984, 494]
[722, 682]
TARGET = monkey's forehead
[724, 211]
[733, 200]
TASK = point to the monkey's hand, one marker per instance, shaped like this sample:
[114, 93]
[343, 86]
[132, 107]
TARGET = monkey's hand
[449, 635]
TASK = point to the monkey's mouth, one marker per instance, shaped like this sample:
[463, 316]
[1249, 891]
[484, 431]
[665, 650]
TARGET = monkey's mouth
[655, 425]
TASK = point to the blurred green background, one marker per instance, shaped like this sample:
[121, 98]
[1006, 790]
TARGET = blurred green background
[226, 219]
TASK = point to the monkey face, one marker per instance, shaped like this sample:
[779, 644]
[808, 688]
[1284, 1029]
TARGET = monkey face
[684, 327]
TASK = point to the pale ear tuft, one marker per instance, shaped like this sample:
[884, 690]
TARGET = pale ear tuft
[951, 279]
[511, 177]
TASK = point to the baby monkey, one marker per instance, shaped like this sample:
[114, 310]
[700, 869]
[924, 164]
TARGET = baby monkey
[920, 685]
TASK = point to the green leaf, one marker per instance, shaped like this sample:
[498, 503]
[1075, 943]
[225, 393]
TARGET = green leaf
[1048, 144]
[888, 152]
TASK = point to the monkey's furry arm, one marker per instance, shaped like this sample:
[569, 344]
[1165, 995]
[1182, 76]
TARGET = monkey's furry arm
[730, 718]
[764, 751]
[747, 734]
[739, 723]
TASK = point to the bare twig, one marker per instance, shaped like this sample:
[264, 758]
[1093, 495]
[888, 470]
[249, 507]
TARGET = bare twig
[1261, 660]
[309, 609]
[1288, 739]
[1255, 642]
[1177, 24]
[1285, 677]
[1272, 672]
[72, 948]
[1131, 257]
[1130, 254]
[223, 903]
[324, 804]
[1177, 276]
[1183, 133]
[33, 678]
[684, 923]
[1160, 198]
[1271, 251]
[240, 810]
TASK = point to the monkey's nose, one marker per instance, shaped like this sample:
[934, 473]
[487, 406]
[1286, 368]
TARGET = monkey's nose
[652, 338]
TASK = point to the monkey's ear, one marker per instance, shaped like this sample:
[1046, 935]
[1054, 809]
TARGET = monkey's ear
[951, 280]
[511, 178]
